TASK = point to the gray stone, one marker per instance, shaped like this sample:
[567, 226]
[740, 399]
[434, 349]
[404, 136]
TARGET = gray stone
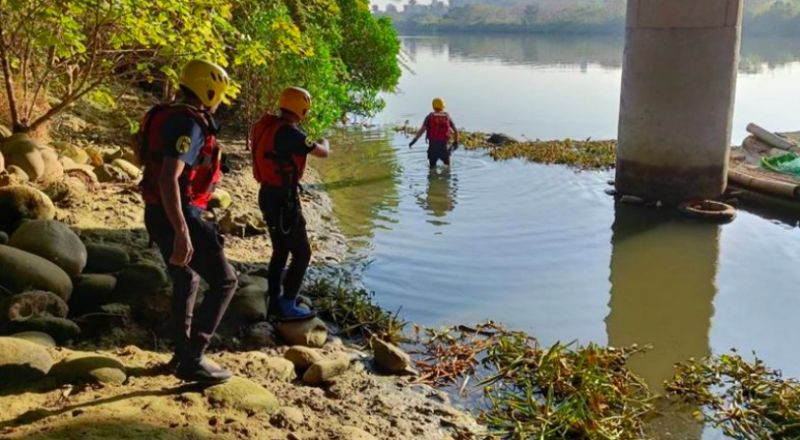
[20, 202]
[248, 306]
[22, 361]
[325, 370]
[141, 277]
[34, 305]
[37, 338]
[22, 151]
[105, 258]
[501, 140]
[353, 433]
[303, 357]
[128, 168]
[24, 271]
[60, 329]
[260, 334]
[288, 417]
[54, 241]
[309, 333]
[91, 291]
[108, 174]
[89, 368]
[3, 238]
[390, 358]
[244, 395]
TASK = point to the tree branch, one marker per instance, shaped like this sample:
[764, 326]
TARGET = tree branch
[9, 81]
[66, 102]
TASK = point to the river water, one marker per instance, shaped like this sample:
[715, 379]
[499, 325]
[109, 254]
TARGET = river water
[543, 248]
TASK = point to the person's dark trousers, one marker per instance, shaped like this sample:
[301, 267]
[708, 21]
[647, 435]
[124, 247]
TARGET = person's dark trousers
[287, 230]
[438, 151]
[192, 335]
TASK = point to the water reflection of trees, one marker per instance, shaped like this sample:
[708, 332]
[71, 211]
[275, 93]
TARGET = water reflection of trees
[758, 53]
[663, 284]
[361, 180]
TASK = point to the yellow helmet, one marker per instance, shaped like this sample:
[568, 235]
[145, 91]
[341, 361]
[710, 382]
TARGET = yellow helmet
[296, 100]
[438, 104]
[206, 80]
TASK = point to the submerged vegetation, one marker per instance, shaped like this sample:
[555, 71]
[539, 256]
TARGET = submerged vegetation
[746, 399]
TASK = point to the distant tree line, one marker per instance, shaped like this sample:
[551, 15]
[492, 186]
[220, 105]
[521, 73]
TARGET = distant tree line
[762, 17]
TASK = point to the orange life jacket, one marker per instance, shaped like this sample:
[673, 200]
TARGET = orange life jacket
[269, 167]
[439, 127]
[197, 181]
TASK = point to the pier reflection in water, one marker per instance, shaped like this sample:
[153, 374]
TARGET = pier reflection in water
[663, 284]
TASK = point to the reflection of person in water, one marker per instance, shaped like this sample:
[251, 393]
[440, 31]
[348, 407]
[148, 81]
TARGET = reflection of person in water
[440, 197]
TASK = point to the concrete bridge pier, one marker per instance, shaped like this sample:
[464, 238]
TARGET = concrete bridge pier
[678, 88]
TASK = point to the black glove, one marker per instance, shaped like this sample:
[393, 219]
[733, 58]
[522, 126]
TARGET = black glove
[454, 147]
[412, 143]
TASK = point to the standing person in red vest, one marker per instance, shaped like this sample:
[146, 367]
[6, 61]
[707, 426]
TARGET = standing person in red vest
[280, 149]
[439, 127]
[181, 159]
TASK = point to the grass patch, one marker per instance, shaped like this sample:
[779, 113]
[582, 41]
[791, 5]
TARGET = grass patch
[746, 399]
[354, 311]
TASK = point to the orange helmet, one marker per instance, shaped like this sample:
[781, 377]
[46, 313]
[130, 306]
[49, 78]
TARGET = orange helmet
[296, 100]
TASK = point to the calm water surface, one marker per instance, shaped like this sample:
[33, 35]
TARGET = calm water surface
[542, 248]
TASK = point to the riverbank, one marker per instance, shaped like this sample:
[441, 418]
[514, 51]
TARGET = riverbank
[125, 392]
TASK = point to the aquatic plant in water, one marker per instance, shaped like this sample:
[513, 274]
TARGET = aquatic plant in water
[585, 155]
[354, 311]
[564, 391]
[746, 399]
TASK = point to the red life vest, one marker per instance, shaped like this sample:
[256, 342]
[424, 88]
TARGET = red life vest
[269, 167]
[439, 127]
[197, 181]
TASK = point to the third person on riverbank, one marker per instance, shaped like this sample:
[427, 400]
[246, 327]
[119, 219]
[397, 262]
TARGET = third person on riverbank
[280, 149]
[438, 128]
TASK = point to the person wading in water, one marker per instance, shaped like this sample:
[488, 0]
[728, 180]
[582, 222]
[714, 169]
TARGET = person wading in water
[439, 127]
[280, 149]
[182, 164]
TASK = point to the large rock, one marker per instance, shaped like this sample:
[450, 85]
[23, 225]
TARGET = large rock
[325, 370]
[141, 277]
[391, 358]
[131, 170]
[309, 333]
[92, 291]
[34, 305]
[62, 330]
[53, 169]
[23, 271]
[89, 368]
[153, 309]
[4, 132]
[248, 306]
[260, 334]
[243, 394]
[303, 357]
[109, 173]
[22, 361]
[252, 280]
[24, 152]
[105, 258]
[76, 154]
[3, 238]
[37, 338]
[18, 202]
[268, 367]
[53, 241]
[16, 175]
